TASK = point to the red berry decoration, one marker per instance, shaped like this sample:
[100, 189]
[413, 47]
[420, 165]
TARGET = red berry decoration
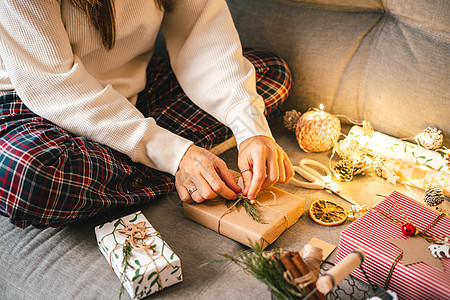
[408, 229]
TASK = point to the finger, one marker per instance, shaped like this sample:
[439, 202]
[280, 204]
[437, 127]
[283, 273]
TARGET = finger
[259, 173]
[246, 174]
[281, 169]
[183, 193]
[226, 175]
[203, 187]
[272, 170]
[216, 185]
[289, 170]
[197, 196]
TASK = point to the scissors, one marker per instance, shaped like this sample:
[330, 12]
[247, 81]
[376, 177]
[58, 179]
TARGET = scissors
[316, 180]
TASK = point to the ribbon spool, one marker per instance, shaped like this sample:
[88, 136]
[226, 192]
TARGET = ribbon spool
[317, 131]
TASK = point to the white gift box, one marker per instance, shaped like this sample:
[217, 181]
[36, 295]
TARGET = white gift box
[149, 270]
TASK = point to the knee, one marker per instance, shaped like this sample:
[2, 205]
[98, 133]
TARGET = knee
[28, 177]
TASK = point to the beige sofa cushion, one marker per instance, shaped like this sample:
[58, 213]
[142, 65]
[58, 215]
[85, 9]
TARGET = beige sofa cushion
[386, 62]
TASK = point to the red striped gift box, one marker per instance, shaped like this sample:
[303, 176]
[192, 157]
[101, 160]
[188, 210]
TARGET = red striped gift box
[370, 233]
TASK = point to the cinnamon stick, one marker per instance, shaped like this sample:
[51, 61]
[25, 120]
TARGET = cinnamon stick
[301, 266]
[286, 259]
[289, 265]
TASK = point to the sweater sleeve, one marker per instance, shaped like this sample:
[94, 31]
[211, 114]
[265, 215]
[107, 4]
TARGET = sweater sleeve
[206, 56]
[54, 83]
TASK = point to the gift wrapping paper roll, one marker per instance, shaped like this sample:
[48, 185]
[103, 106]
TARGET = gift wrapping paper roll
[381, 145]
[418, 175]
[371, 232]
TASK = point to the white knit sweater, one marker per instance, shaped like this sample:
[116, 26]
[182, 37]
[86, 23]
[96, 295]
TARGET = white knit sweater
[53, 57]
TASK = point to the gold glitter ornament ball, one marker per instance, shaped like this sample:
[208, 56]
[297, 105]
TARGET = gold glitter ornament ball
[317, 130]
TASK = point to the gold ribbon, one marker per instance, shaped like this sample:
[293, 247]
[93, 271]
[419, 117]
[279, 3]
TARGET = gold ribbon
[136, 234]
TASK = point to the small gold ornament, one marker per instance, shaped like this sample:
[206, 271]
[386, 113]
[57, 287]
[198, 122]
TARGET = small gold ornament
[356, 212]
[367, 128]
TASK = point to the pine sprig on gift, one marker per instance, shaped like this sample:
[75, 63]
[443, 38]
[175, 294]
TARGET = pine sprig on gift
[249, 207]
[252, 211]
[266, 267]
[126, 250]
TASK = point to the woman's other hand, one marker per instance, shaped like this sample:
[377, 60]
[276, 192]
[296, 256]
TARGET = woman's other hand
[264, 163]
[202, 175]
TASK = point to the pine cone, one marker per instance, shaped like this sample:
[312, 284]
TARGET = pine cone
[433, 196]
[290, 119]
[343, 170]
[430, 138]
[361, 165]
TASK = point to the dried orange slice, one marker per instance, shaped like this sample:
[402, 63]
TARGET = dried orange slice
[328, 213]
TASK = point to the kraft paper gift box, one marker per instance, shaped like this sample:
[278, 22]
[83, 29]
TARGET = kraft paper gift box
[371, 233]
[150, 269]
[279, 213]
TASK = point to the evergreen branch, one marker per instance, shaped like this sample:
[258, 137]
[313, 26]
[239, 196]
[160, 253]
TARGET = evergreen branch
[252, 211]
[266, 267]
[126, 250]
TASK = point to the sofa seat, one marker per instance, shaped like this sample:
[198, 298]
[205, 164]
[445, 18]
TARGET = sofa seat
[67, 264]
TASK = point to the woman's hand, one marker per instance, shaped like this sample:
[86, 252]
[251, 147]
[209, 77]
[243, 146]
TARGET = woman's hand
[262, 163]
[201, 175]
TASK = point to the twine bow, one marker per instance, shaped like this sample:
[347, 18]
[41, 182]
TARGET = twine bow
[136, 233]
[135, 236]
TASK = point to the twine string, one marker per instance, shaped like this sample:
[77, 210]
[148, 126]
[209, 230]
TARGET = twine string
[312, 257]
[300, 282]
[391, 271]
[226, 213]
[286, 219]
[135, 236]
[229, 209]
[432, 238]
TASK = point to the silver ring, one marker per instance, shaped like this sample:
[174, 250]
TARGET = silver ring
[192, 190]
[251, 170]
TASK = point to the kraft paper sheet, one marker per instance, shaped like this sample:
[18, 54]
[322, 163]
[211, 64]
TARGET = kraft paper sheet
[239, 226]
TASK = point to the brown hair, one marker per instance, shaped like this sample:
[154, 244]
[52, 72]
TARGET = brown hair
[102, 16]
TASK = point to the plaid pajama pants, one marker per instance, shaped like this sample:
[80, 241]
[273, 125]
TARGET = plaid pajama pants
[52, 178]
